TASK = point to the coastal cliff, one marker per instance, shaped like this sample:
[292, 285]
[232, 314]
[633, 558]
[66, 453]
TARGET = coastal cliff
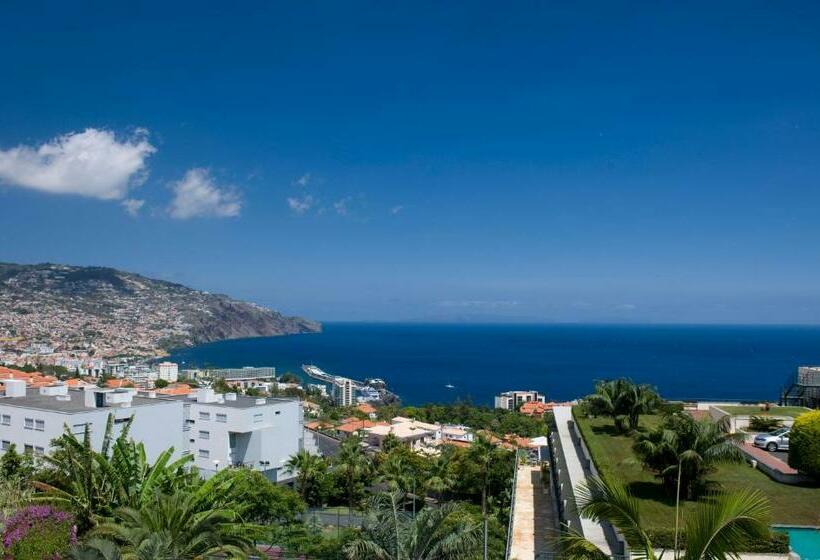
[113, 312]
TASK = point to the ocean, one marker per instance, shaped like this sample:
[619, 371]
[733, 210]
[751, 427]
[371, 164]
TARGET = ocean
[563, 361]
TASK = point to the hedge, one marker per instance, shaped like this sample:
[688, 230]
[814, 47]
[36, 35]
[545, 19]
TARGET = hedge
[804, 444]
[777, 543]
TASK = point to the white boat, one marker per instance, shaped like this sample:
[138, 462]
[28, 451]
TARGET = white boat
[450, 386]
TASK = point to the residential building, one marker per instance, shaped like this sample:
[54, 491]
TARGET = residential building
[242, 374]
[344, 393]
[168, 371]
[413, 433]
[31, 417]
[511, 400]
[233, 430]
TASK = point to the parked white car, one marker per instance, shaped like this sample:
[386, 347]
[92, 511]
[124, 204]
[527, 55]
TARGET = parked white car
[777, 440]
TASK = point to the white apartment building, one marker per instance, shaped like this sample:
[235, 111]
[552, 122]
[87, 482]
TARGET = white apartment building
[168, 371]
[234, 430]
[344, 393]
[511, 400]
[218, 430]
[30, 418]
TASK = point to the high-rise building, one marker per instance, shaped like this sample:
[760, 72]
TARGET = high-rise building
[344, 393]
[169, 371]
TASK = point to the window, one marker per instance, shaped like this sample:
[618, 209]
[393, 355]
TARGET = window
[29, 423]
[204, 415]
[5, 445]
[204, 453]
[221, 417]
[278, 412]
[39, 451]
[6, 420]
[28, 448]
[40, 425]
[78, 429]
[257, 418]
[204, 434]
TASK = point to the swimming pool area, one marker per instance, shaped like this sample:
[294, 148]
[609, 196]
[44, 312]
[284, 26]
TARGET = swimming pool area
[805, 541]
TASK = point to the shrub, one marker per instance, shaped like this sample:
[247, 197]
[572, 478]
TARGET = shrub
[764, 423]
[777, 543]
[38, 533]
[804, 444]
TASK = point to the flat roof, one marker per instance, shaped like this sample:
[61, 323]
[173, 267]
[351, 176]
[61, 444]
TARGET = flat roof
[35, 400]
[241, 401]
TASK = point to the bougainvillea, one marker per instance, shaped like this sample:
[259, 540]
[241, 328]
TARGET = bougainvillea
[37, 533]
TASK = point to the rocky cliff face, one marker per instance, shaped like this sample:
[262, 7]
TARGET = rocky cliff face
[116, 312]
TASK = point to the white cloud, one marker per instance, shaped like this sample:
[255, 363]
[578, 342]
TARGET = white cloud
[303, 181]
[197, 195]
[133, 206]
[93, 163]
[301, 205]
[341, 206]
[396, 209]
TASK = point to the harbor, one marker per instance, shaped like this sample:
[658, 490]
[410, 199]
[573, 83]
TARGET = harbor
[344, 389]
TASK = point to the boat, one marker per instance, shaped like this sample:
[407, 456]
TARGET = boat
[450, 386]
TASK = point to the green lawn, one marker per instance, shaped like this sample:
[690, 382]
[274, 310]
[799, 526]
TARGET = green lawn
[753, 410]
[613, 455]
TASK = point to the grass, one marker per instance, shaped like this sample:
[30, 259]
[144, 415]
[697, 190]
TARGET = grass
[613, 456]
[753, 410]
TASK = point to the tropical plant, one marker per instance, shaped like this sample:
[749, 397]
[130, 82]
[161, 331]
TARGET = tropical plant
[439, 476]
[310, 476]
[622, 400]
[804, 443]
[12, 464]
[95, 549]
[764, 423]
[116, 476]
[353, 467]
[176, 527]
[682, 451]
[14, 494]
[716, 530]
[436, 533]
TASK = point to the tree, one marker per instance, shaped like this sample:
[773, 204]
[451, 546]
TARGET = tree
[622, 400]
[354, 468]
[716, 530]
[804, 443]
[436, 533]
[160, 384]
[177, 527]
[682, 451]
[310, 478]
[12, 464]
[254, 497]
[440, 477]
[289, 377]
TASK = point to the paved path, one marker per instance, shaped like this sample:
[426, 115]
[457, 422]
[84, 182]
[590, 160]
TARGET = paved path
[593, 531]
[763, 456]
[534, 525]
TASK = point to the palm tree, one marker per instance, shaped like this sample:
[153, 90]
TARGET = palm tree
[177, 527]
[436, 533]
[310, 470]
[96, 549]
[440, 473]
[716, 530]
[354, 466]
[396, 470]
[481, 453]
[622, 400]
[684, 451]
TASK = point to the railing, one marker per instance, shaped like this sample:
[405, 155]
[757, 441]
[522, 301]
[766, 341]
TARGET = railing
[519, 454]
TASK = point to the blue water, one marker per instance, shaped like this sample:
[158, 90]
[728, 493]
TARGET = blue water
[418, 360]
[804, 541]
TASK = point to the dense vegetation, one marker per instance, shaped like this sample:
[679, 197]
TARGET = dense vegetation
[114, 503]
[804, 444]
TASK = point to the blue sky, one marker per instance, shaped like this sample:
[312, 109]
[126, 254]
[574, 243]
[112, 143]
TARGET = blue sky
[635, 162]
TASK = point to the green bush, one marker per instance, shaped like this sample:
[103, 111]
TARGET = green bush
[804, 444]
[777, 543]
[764, 423]
[669, 407]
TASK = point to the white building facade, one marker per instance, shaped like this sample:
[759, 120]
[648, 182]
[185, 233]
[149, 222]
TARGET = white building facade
[511, 400]
[168, 371]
